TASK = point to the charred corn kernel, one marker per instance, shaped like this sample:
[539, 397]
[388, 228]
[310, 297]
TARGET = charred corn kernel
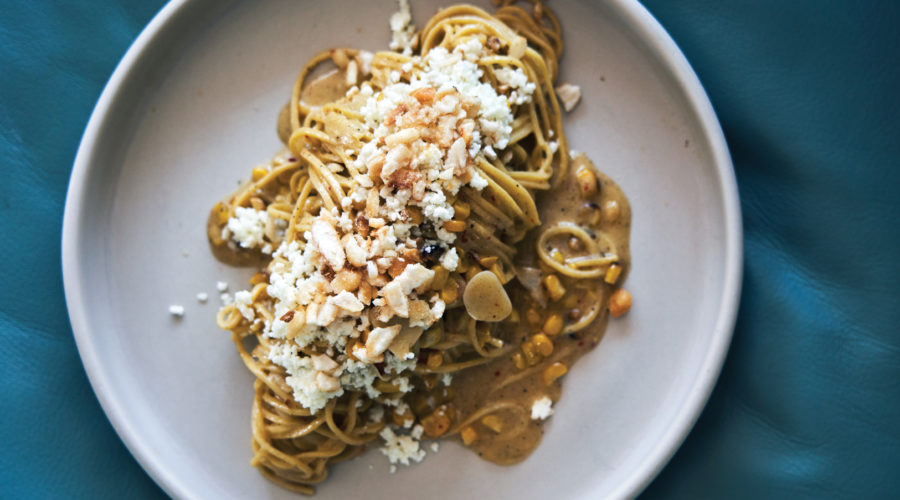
[587, 181]
[619, 302]
[487, 262]
[611, 211]
[493, 422]
[533, 316]
[461, 210]
[542, 344]
[415, 215]
[258, 278]
[612, 274]
[554, 287]
[258, 173]
[471, 273]
[440, 277]
[436, 424]
[553, 372]
[553, 325]
[556, 255]
[435, 360]
[463, 264]
[455, 226]
[468, 435]
[450, 292]
[222, 213]
[519, 361]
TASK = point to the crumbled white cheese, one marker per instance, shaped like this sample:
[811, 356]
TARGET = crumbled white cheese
[569, 95]
[202, 297]
[248, 226]
[244, 302]
[176, 310]
[450, 260]
[226, 298]
[399, 448]
[222, 286]
[402, 30]
[435, 446]
[542, 408]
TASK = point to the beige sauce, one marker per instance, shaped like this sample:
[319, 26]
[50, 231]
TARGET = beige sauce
[482, 386]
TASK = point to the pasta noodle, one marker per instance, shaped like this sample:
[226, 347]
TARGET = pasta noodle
[408, 234]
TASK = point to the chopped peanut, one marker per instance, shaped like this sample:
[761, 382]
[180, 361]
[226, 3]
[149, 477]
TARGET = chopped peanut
[493, 422]
[542, 344]
[554, 287]
[258, 278]
[415, 215]
[553, 372]
[468, 435]
[553, 325]
[619, 302]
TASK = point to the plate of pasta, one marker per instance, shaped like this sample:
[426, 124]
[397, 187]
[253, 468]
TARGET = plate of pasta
[402, 249]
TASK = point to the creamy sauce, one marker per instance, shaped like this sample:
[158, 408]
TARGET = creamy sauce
[499, 380]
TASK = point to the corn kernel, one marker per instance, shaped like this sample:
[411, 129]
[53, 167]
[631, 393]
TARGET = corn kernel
[258, 278]
[553, 372]
[556, 255]
[553, 325]
[542, 344]
[533, 316]
[619, 302]
[258, 173]
[468, 435]
[471, 273]
[440, 277]
[587, 181]
[450, 292]
[612, 274]
[519, 361]
[554, 287]
[531, 355]
[455, 226]
[222, 213]
[493, 422]
[435, 360]
[487, 262]
[461, 210]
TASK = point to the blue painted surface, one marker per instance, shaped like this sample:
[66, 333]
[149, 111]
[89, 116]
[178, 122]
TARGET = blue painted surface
[808, 405]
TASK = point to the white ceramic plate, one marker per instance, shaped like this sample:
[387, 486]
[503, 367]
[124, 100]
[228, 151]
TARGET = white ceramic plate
[192, 106]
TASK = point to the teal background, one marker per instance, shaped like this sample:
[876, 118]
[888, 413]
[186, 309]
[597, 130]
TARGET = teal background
[808, 404]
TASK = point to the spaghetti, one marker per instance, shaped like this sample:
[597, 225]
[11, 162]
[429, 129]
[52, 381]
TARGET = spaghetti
[408, 286]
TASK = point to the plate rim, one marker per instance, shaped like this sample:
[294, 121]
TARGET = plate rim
[670, 57]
